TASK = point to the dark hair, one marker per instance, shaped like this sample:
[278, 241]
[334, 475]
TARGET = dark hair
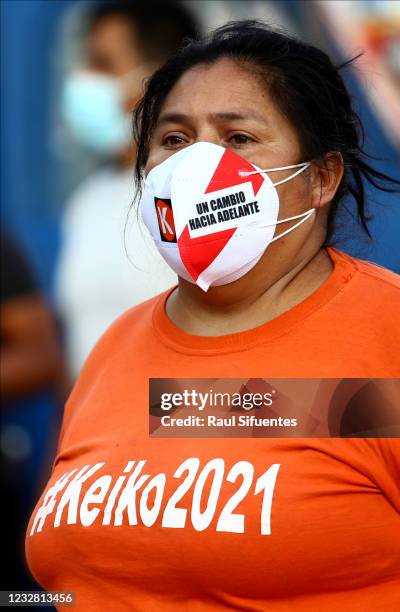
[303, 82]
[160, 25]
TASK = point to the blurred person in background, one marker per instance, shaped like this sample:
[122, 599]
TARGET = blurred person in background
[30, 357]
[96, 278]
[31, 365]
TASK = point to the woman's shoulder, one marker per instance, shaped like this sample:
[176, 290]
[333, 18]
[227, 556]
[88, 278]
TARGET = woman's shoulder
[129, 334]
[367, 301]
[128, 331]
[136, 318]
[375, 279]
[377, 274]
[379, 290]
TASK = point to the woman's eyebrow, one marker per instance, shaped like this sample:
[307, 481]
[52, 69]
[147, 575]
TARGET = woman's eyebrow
[214, 117]
[232, 116]
[173, 118]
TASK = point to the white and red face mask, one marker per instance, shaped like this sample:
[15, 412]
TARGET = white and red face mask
[212, 214]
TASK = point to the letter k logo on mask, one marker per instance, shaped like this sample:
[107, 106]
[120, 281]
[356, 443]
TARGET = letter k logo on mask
[165, 219]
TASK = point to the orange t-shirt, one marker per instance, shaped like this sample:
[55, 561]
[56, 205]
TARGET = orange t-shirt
[130, 522]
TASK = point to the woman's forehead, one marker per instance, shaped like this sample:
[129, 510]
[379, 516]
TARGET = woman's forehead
[244, 114]
[222, 90]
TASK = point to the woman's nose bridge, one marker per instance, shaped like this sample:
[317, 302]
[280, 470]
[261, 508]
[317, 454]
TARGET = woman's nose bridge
[208, 133]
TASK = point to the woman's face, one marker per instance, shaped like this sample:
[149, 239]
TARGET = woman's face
[223, 103]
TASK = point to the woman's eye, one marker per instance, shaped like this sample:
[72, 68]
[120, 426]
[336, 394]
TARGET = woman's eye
[173, 140]
[240, 139]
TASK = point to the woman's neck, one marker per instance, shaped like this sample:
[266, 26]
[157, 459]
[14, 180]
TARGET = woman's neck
[254, 304]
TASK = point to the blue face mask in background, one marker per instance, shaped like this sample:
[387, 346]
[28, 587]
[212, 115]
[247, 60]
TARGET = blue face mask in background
[92, 108]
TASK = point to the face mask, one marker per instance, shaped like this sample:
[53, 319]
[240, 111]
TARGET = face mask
[92, 107]
[212, 214]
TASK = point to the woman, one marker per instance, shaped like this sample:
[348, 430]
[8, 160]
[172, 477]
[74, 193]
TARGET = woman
[130, 522]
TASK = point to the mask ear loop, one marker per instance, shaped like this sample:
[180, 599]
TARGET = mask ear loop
[301, 167]
[305, 216]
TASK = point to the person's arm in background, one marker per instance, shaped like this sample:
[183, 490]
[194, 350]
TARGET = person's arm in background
[29, 347]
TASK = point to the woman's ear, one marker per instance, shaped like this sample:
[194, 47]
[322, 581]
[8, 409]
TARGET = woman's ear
[326, 175]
